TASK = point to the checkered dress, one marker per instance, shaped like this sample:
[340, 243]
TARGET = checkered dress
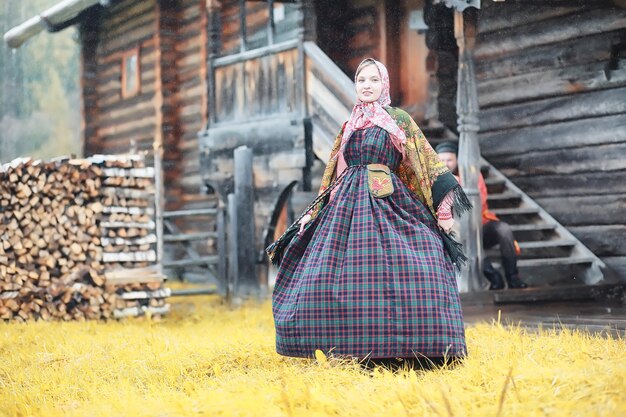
[369, 277]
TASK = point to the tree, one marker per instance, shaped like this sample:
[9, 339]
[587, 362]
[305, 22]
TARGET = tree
[39, 103]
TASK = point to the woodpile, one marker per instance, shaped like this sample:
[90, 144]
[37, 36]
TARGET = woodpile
[64, 225]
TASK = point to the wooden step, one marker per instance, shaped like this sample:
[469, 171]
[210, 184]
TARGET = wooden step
[506, 195]
[553, 271]
[514, 211]
[532, 227]
[506, 199]
[516, 215]
[554, 249]
[186, 237]
[574, 260]
[547, 244]
[495, 185]
[533, 231]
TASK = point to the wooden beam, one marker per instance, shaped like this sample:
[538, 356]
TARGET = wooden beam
[157, 145]
[551, 31]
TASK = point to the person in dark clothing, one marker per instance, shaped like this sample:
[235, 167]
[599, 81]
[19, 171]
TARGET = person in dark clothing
[495, 232]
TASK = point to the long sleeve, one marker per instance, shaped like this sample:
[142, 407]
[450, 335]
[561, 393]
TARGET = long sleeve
[444, 211]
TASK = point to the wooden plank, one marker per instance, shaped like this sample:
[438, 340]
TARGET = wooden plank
[514, 211]
[190, 212]
[283, 132]
[194, 291]
[118, 241]
[571, 107]
[555, 261]
[604, 158]
[495, 17]
[546, 244]
[143, 256]
[189, 236]
[123, 11]
[121, 225]
[586, 210]
[571, 134]
[536, 85]
[568, 53]
[255, 53]
[603, 240]
[203, 260]
[588, 183]
[550, 31]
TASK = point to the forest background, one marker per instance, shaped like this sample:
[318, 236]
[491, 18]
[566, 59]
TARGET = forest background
[39, 88]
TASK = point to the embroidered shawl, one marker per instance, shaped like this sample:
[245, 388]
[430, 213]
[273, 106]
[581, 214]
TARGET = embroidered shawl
[421, 170]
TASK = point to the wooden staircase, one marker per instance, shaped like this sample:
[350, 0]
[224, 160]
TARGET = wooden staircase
[550, 254]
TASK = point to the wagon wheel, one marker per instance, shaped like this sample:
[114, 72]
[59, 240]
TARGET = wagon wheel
[278, 223]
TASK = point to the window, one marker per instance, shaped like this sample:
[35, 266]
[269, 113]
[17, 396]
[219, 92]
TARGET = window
[130, 73]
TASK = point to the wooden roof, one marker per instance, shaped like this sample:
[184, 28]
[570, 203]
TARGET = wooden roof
[57, 17]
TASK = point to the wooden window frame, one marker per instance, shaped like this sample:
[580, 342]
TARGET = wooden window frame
[126, 55]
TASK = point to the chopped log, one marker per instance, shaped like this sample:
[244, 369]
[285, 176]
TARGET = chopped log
[53, 236]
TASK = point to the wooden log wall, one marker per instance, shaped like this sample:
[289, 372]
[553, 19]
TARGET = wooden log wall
[287, 25]
[113, 123]
[191, 68]
[551, 84]
[122, 121]
[259, 87]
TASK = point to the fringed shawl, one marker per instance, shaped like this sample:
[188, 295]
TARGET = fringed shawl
[421, 171]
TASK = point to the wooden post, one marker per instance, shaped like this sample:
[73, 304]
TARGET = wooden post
[214, 33]
[271, 27]
[221, 246]
[247, 282]
[469, 152]
[233, 266]
[243, 30]
[157, 144]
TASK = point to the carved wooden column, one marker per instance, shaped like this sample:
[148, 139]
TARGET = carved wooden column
[469, 149]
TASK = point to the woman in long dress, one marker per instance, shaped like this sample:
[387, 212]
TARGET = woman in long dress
[372, 277]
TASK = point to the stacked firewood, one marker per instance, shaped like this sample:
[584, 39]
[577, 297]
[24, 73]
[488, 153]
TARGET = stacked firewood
[63, 225]
[138, 291]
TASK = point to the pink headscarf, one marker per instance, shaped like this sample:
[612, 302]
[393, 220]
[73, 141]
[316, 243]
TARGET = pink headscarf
[366, 115]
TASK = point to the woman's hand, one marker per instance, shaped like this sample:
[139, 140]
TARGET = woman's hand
[304, 221]
[446, 225]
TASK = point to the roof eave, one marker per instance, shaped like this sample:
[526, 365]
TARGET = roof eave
[52, 19]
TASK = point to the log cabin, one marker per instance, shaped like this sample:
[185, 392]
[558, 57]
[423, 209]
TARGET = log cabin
[199, 78]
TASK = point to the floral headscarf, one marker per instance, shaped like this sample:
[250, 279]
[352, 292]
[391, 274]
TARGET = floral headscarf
[366, 115]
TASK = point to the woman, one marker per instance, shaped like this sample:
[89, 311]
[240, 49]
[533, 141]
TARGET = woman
[368, 276]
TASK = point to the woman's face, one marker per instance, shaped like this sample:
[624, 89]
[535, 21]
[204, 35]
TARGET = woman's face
[369, 84]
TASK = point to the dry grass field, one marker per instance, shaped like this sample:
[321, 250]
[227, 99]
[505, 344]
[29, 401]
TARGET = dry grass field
[207, 359]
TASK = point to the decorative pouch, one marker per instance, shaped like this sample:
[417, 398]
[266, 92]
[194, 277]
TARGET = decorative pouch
[379, 180]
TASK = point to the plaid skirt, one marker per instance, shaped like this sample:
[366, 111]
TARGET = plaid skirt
[368, 277]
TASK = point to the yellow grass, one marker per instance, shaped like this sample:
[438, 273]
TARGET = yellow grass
[205, 359]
